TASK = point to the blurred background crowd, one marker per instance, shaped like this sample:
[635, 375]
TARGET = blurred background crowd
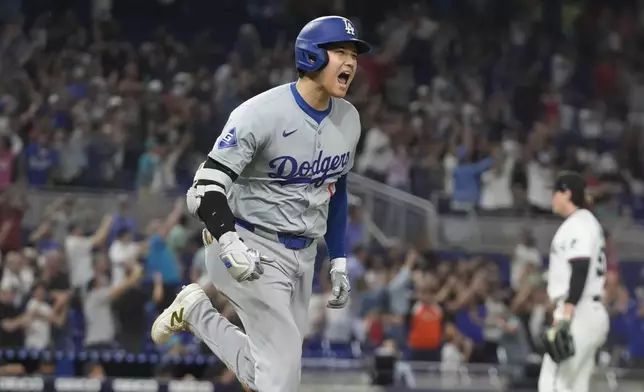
[474, 105]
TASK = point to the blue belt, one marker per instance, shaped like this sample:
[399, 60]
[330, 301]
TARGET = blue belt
[290, 241]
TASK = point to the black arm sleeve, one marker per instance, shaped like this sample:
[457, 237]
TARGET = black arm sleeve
[214, 210]
[578, 277]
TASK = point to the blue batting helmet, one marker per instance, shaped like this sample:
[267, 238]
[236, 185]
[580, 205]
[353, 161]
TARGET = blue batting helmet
[310, 54]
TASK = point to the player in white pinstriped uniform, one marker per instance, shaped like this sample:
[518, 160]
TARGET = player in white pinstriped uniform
[576, 278]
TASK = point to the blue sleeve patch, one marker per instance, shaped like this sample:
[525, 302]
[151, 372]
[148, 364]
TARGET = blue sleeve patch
[228, 141]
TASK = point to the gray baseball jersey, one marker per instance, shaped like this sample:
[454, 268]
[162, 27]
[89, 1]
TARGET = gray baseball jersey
[287, 163]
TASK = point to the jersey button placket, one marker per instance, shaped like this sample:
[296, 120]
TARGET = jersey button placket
[319, 143]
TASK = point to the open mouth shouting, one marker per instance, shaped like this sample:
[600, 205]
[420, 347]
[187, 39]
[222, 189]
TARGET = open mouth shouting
[344, 77]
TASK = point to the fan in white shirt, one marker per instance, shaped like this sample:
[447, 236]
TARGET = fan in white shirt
[496, 189]
[377, 155]
[17, 276]
[40, 318]
[525, 255]
[123, 250]
[540, 174]
[78, 248]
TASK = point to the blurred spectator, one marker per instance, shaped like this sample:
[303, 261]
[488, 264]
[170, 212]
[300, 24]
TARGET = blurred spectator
[456, 350]
[122, 253]
[12, 321]
[178, 237]
[526, 261]
[55, 280]
[426, 327]
[71, 150]
[131, 302]
[466, 174]
[41, 160]
[399, 292]
[123, 220]
[13, 204]
[514, 341]
[338, 325]
[198, 272]
[78, 248]
[40, 318]
[17, 276]
[469, 317]
[100, 329]
[377, 154]
[8, 164]
[61, 214]
[540, 171]
[43, 237]
[159, 256]
[496, 190]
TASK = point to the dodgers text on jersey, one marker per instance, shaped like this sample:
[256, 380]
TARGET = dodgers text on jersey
[287, 170]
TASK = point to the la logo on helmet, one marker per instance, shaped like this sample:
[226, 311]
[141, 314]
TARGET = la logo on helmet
[348, 27]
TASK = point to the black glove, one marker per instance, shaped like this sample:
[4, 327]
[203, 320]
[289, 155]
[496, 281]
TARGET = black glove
[558, 342]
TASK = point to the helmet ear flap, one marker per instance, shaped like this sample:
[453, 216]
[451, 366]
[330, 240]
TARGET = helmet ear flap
[311, 59]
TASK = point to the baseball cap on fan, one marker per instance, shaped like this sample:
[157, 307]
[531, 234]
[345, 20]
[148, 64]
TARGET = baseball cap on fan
[575, 183]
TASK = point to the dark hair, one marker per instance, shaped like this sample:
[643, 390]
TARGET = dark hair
[573, 182]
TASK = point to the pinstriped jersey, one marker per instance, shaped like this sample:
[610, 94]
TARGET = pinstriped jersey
[580, 237]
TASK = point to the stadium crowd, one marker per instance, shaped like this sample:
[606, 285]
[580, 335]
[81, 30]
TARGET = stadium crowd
[468, 119]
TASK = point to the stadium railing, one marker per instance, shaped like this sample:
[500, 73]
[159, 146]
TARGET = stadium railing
[399, 215]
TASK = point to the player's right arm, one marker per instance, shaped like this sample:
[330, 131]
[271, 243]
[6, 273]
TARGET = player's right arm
[207, 201]
[234, 149]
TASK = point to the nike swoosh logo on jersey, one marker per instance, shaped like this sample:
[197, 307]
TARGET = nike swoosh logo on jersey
[287, 134]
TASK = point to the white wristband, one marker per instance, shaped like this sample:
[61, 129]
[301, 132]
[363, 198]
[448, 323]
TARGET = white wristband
[339, 264]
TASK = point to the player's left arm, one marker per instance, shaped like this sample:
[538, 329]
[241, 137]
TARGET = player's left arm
[337, 221]
[579, 252]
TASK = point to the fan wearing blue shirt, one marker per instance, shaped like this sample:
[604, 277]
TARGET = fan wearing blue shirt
[40, 161]
[160, 257]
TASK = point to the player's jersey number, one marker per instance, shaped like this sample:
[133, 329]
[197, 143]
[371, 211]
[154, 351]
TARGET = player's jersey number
[603, 264]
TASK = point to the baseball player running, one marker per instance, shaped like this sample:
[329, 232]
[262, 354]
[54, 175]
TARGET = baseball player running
[576, 287]
[275, 178]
